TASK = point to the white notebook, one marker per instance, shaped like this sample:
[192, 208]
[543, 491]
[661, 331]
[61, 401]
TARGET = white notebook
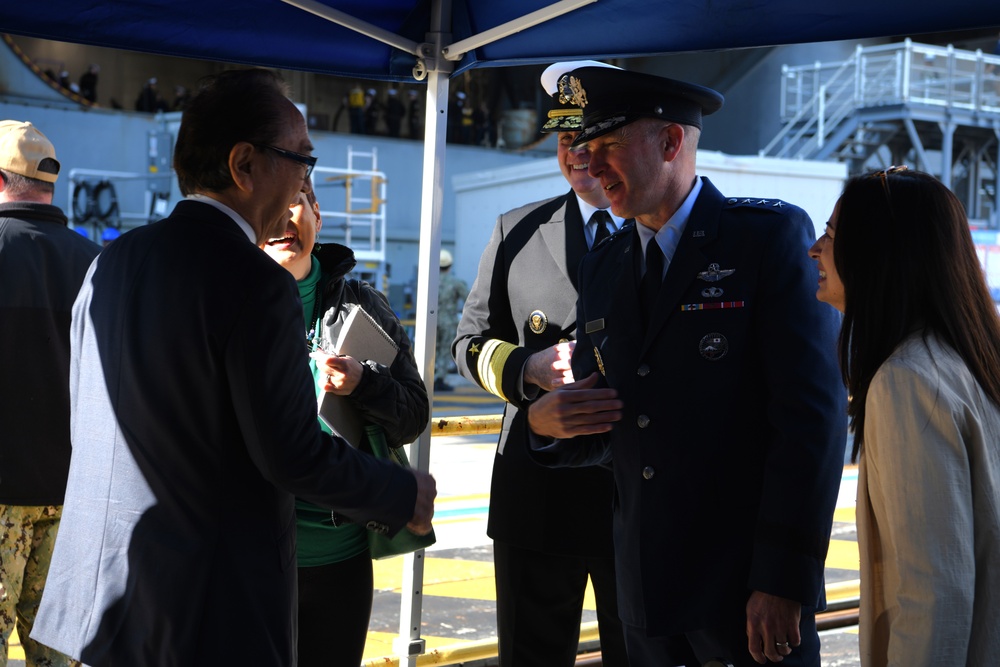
[360, 337]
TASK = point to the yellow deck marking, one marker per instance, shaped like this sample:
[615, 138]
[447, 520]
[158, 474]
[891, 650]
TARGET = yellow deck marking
[844, 514]
[843, 555]
[461, 579]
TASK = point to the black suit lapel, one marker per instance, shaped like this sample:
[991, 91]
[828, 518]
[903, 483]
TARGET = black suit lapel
[576, 239]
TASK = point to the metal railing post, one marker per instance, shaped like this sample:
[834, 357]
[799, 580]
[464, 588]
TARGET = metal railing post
[821, 122]
[950, 90]
[904, 61]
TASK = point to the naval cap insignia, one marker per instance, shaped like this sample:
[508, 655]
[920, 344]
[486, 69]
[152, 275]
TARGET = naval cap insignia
[713, 346]
[711, 292]
[571, 91]
[537, 321]
[715, 274]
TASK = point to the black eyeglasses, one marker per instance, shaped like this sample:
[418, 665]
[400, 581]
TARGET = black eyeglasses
[884, 177]
[308, 160]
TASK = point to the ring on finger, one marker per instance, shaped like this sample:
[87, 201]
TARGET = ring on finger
[782, 644]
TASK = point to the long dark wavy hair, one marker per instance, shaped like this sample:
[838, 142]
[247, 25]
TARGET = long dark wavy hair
[905, 256]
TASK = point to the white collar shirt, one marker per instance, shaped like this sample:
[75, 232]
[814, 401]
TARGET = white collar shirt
[590, 228]
[237, 218]
[669, 235]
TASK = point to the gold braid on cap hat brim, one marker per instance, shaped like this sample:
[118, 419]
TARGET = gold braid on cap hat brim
[565, 113]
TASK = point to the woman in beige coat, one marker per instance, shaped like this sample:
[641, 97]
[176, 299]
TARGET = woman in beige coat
[920, 354]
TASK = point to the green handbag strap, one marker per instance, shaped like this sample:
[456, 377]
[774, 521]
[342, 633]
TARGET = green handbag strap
[381, 450]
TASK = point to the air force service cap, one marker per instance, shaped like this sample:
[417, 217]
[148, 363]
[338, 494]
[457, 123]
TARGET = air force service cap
[564, 116]
[611, 98]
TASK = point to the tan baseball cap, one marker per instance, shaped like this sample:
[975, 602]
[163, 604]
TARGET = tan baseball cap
[26, 151]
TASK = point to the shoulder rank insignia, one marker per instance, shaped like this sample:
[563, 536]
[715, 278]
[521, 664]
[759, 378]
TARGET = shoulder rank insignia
[753, 201]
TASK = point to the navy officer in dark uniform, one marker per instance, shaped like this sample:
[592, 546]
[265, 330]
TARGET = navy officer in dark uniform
[704, 375]
[551, 529]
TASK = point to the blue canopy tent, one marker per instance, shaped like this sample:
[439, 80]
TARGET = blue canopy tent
[432, 39]
[279, 34]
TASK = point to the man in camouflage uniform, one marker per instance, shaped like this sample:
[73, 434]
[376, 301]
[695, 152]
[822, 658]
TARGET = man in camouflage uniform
[28, 534]
[47, 261]
[451, 294]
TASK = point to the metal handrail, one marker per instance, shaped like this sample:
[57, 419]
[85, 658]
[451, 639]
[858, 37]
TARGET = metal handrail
[468, 425]
[814, 99]
[813, 106]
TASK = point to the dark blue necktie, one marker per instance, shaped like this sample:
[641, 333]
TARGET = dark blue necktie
[649, 288]
[603, 221]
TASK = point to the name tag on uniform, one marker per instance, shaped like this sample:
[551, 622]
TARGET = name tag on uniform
[594, 325]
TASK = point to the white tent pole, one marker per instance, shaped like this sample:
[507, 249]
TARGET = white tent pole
[408, 645]
[348, 21]
[460, 48]
[434, 63]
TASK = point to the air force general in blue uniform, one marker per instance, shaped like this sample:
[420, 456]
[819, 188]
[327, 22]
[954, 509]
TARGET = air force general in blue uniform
[718, 402]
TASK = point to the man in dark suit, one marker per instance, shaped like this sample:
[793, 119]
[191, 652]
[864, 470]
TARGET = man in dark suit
[707, 375]
[194, 414]
[550, 528]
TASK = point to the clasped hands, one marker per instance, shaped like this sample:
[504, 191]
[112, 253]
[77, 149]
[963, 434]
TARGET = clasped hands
[569, 408]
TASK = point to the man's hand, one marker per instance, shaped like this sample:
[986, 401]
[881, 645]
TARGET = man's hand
[575, 409]
[423, 509]
[772, 626]
[550, 368]
[342, 373]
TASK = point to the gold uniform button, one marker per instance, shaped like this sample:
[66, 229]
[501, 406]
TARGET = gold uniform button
[642, 421]
[648, 472]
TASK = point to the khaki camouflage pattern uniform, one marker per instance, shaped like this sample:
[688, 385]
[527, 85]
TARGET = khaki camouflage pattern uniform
[452, 292]
[29, 533]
